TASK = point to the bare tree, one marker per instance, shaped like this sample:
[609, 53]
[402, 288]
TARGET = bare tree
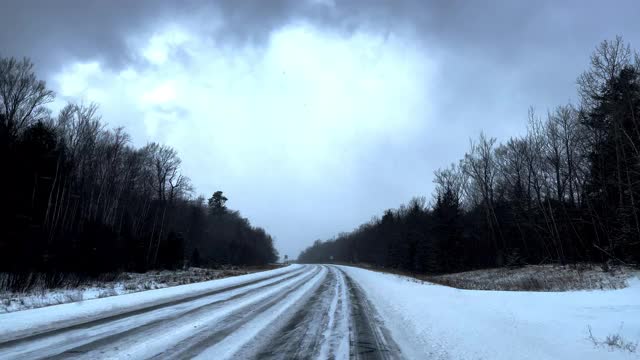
[22, 95]
[608, 59]
[164, 167]
[480, 166]
[554, 156]
[449, 180]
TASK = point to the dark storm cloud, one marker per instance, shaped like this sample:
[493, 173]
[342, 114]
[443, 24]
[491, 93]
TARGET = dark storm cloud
[55, 32]
[51, 32]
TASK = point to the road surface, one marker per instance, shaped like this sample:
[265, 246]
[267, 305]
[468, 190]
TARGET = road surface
[307, 312]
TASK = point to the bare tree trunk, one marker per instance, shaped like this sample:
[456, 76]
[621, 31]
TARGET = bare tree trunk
[155, 257]
[151, 240]
[53, 187]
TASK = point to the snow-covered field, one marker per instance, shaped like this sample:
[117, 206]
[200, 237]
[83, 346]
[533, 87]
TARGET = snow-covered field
[439, 322]
[125, 283]
[539, 278]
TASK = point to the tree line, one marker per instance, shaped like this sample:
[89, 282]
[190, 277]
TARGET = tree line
[567, 191]
[78, 197]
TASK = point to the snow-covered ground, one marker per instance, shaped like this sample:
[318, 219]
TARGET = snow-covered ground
[125, 283]
[326, 311]
[439, 322]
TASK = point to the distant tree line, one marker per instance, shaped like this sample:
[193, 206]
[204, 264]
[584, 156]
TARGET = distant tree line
[78, 197]
[567, 191]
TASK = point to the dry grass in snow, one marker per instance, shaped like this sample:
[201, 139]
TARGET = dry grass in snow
[538, 278]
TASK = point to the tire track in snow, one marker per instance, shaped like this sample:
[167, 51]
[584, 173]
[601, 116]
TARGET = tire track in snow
[334, 321]
[158, 324]
[369, 339]
[222, 337]
[335, 343]
[297, 335]
[242, 337]
[21, 337]
[65, 339]
[183, 334]
[307, 330]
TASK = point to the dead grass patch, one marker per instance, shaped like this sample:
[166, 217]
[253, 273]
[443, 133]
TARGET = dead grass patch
[527, 278]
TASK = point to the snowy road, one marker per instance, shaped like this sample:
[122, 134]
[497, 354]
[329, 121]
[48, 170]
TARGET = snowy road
[309, 311]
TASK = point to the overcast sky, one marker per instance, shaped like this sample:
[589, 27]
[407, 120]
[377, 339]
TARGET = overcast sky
[313, 116]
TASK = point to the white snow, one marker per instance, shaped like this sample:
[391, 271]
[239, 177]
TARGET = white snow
[40, 296]
[17, 324]
[433, 321]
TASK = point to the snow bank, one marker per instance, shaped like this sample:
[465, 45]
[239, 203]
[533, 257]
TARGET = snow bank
[40, 296]
[23, 323]
[433, 321]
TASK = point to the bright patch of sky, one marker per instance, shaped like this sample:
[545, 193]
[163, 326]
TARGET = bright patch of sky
[301, 111]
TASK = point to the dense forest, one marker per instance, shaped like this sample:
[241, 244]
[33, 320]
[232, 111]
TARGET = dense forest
[78, 197]
[567, 191]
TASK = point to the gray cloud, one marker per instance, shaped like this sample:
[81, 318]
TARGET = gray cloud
[53, 32]
[507, 32]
